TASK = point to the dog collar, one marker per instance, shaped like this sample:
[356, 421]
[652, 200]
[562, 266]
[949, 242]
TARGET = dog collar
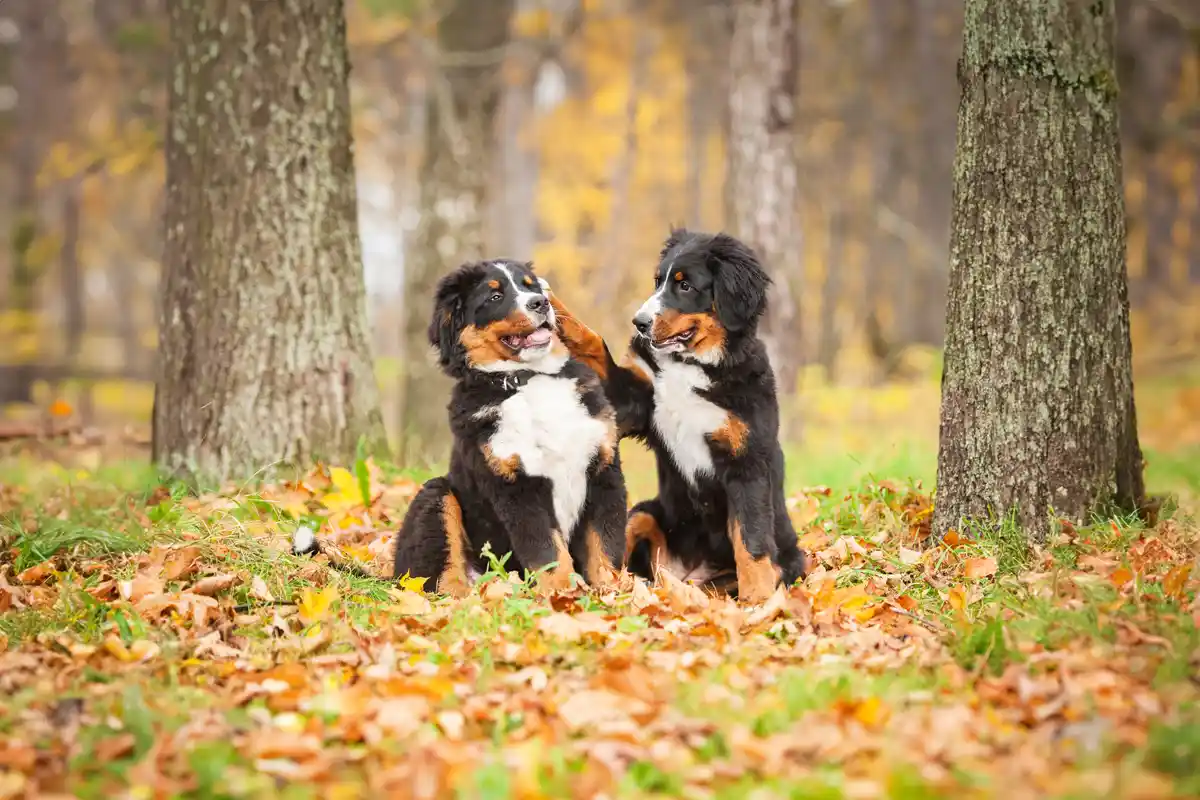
[506, 381]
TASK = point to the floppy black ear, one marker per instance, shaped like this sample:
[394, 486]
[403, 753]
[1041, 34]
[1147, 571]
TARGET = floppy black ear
[450, 316]
[741, 283]
[676, 236]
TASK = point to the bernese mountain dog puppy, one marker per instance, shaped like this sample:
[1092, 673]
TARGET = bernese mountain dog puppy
[697, 388]
[534, 469]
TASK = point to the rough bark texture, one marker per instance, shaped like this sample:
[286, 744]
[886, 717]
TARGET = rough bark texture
[461, 153]
[1037, 395]
[264, 350]
[764, 61]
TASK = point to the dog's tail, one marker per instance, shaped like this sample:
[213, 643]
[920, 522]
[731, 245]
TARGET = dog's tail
[306, 543]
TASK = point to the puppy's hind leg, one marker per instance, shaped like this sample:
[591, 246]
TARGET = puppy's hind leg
[600, 547]
[645, 540]
[432, 542]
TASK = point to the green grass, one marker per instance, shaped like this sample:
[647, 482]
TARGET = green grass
[1012, 622]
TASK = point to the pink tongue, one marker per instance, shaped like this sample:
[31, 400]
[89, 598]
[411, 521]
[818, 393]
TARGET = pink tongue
[540, 336]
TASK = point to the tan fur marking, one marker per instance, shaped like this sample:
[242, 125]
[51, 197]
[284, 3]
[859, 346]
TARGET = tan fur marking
[600, 570]
[628, 363]
[757, 577]
[494, 284]
[678, 276]
[559, 578]
[710, 335]
[506, 468]
[608, 447]
[644, 526]
[732, 435]
[483, 345]
[453, 580]
[582, 342]
[670, 322]
[528, 281]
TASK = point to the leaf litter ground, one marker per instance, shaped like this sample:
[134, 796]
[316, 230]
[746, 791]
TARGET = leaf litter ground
[159, 644]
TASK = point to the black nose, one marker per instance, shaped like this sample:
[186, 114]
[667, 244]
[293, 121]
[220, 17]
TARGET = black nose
[642, 322]
[537, 305]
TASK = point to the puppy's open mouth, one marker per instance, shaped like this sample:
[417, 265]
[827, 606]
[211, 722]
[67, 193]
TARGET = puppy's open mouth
[538, 337]
[679, 338]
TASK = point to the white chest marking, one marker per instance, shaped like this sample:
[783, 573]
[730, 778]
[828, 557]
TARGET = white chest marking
[546, 425]
[683, 419]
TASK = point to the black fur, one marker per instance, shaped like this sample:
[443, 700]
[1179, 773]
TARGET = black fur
[513, 513]
[722, 278]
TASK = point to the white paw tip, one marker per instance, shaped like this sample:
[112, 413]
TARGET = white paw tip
[303, 539]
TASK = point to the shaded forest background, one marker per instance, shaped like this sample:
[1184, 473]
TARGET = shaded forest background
[611, 124]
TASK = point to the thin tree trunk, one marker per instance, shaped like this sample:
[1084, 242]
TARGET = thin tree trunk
[762, 173]
[264, 344]
[514, 187]
[72, 288]
[831, 291]
[1161, 207]
[460, 157]
[618, 240]
[1037, 395]
[706, 59]
[936, 50]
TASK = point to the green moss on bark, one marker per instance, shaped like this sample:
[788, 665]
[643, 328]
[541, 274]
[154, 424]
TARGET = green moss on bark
[1037, 401]
[264, 348]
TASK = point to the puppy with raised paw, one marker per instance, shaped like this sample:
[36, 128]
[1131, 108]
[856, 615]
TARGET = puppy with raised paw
[697, 388]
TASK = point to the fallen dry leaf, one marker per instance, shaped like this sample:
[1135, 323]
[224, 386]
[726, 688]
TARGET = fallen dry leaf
[315, 605]
[572, 627]
[181, 563]
[407, 602]
[1121, 576]
[979, 567]
[35, 574]
[214, 584]
[259, 590]
[1175, 581]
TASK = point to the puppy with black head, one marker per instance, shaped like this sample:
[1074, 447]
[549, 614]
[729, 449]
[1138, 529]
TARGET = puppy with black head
[697, 388]
[534, 469]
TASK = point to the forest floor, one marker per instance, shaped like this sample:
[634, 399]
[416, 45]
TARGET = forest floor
[159, 644]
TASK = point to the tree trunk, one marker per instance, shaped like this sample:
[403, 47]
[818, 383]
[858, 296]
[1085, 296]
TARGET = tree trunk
[461, 155]
[831, 290]
[706, 59]
[264, 351]
[619, 240]
[764, 70]
[1037, 395]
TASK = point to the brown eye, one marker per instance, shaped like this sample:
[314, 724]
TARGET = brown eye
[684, 286]
[496, 298]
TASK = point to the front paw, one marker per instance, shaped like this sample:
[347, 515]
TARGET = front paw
[554, 581]
[454, 584]
[757, 584]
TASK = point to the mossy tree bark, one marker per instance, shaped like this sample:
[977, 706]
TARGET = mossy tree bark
[461, 156]
[263, 333]
[763, 76]
[1037, 394]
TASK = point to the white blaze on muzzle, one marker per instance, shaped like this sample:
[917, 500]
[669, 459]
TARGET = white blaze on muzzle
[523, 296]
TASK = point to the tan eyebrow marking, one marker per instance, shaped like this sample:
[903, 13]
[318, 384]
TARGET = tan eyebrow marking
[528, 281]
[678, 276]
[494, 284]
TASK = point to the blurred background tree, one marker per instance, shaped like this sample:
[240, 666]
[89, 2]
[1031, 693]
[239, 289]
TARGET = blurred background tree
[606, 120]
